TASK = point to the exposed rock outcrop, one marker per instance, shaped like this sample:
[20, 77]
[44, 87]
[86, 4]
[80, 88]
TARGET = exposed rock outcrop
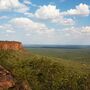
[10, 45]
[6, 79]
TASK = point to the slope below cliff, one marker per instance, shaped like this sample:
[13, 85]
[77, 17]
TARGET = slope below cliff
[43, 73]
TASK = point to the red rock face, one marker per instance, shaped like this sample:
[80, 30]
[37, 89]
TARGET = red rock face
[6, 79]
[10, 45]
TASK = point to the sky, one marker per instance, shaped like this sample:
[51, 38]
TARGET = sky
[58, 22]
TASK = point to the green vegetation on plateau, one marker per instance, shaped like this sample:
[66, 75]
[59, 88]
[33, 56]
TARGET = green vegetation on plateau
[46, 73]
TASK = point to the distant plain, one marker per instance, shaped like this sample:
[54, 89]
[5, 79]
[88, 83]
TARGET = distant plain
[76, 53]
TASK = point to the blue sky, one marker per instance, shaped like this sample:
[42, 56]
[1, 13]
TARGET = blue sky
[63, 22]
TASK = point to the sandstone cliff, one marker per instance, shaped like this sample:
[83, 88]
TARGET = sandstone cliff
[10, 45]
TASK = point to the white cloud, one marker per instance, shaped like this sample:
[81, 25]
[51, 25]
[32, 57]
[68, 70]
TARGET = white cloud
[27, 34]
[40, 33]
[64, 21]
[27, 2]
[10, 31]
[29, 31]
[81, 9]
[28, 14]
[47, 12]
[33, 30]
[3, 17]
[86, 29]
[13, 5]
[27, 24]
[53, 14]
[7, 29]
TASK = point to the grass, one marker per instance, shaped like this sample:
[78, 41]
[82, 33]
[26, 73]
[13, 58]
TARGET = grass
[46, 73]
